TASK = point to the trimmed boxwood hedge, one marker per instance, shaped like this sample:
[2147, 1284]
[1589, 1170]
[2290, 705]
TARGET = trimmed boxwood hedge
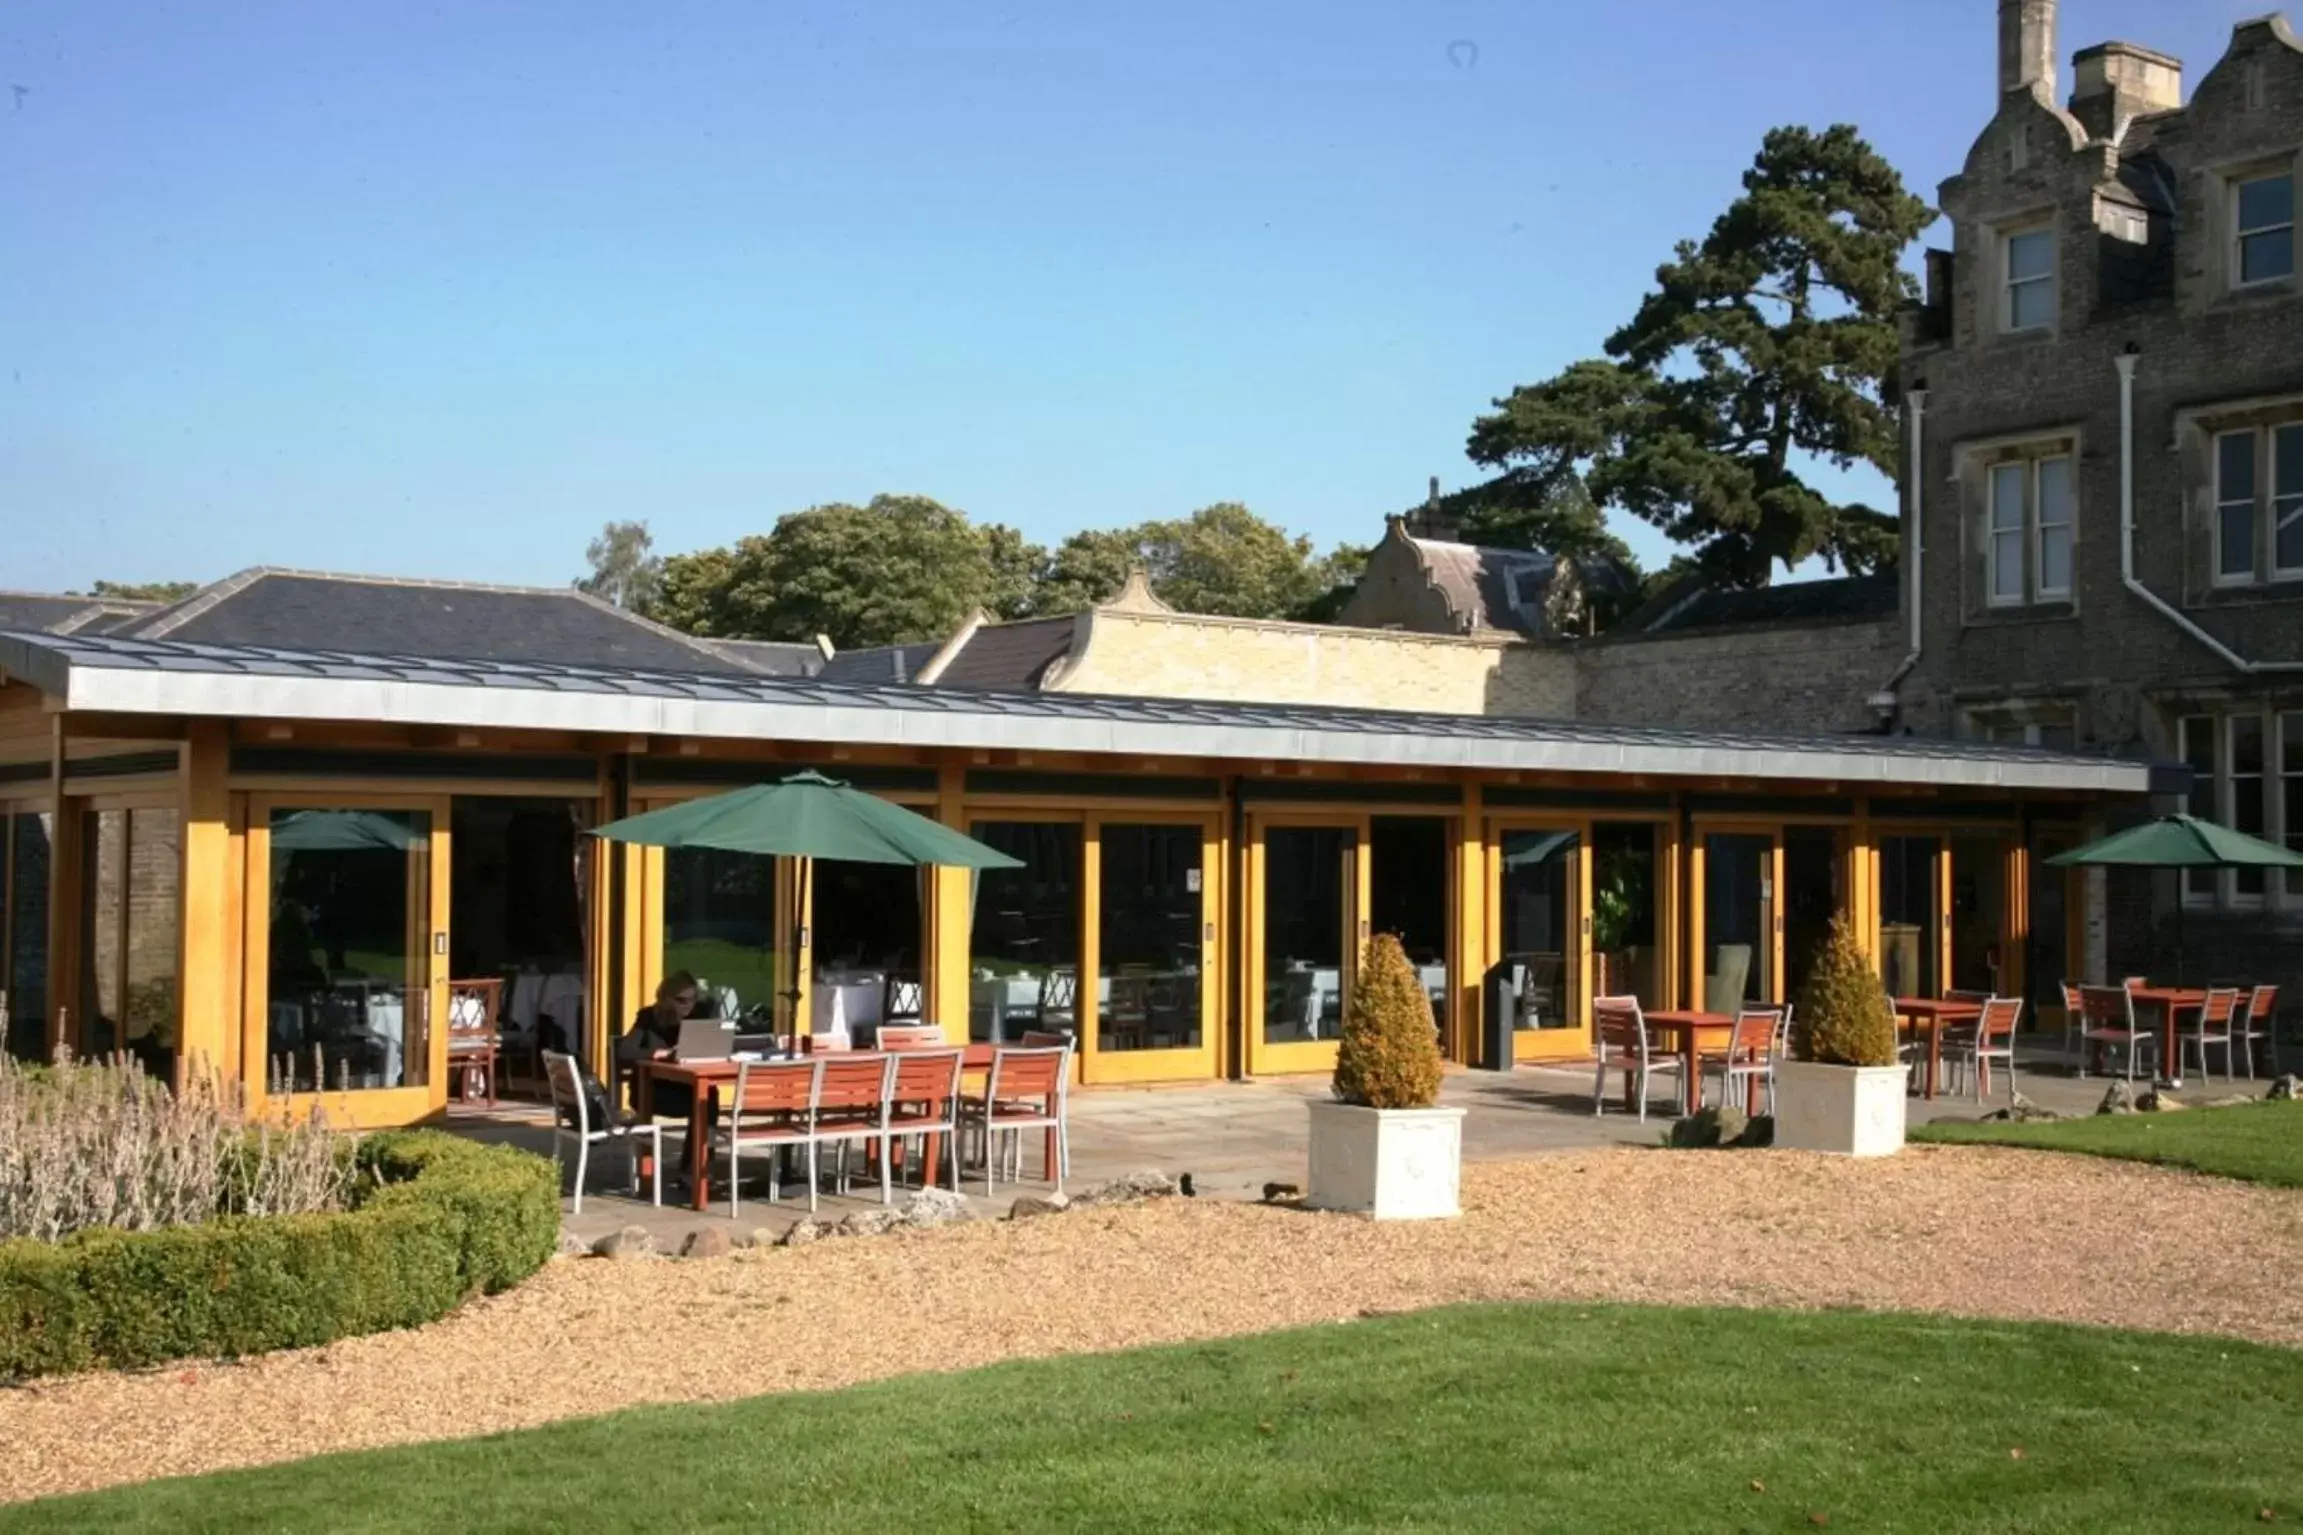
[438, 1218]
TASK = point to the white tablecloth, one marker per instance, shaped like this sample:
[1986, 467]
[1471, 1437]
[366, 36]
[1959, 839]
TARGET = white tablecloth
[837, 1007]
[383, 1021]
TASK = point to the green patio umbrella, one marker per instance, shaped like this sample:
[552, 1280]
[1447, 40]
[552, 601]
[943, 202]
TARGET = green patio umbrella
[341, 831]
[807, 816]
[2179, 842]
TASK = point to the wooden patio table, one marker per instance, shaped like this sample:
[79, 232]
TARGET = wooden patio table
[706, 1080]
[1933, 1014]
[2172, 1002]
[1693, 1031]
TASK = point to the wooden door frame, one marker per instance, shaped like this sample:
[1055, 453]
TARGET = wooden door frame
[1097, 1065]
[1698, 870]
[365, 1108]
[1574, 1041]
[1302, 1056]
[2014, 913]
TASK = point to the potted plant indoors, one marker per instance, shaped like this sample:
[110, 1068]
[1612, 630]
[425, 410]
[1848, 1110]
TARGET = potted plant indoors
[1843, 1088]
[1383, 1148]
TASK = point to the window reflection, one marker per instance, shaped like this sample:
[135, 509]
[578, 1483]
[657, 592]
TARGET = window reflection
[350, 944]
[1149, 914]
[1024, 955]
[1307, 870]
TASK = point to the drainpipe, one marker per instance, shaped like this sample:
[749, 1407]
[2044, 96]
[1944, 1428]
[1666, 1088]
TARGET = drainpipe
[1884, 699]
[2125, 362]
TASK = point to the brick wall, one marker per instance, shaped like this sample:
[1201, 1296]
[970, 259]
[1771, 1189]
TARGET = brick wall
[1802, 679]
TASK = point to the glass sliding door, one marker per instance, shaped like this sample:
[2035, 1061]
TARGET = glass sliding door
[1539, 937]
[1024, 953]
[1626, 916]
[1409, 897]
[720, 928]
[24, 861]
[348, 914]
[131, 904]
[1153, 940]
[1814, 892]
[1740, 926]
[1910, 916]
[1978, 911]
[1306, 919]
[2048, 949]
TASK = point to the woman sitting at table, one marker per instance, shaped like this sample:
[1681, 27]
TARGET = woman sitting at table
[655, 1035]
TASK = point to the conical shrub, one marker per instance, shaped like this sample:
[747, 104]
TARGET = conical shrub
[1842, 1017]
[1389, 1055]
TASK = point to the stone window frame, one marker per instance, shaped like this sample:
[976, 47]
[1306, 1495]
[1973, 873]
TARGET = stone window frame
[2279, 783]
[2220, 196]
[2027, 723]
[2004, 234]
[2235, 238]
[1975, 472]
[2199, 437]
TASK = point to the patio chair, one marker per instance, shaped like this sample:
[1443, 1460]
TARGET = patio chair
[581, 1113]
[1622, 1044]
[924, 1105]
[851, 1110]
[912, 1036]
[2258, 1020]
[2074, 1024]
[1750, 1055]
[1990, 1038]
[773, 1109]
[2211, 1027]
[1036, 1039]
[1025, 1090]
[901, 1001]
[2108, 1015]
[474, 1048]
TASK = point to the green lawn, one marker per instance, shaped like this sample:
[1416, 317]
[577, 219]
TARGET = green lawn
[2260, 1142]
[1488, 1418]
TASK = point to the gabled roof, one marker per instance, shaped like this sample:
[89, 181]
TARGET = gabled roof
[880, 663]
[69, 613]
[1013, 657]
[129, 676]
[467, 620]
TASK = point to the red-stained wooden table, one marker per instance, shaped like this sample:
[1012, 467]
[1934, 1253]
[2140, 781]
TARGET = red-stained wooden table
[708, 1080]
[1692, 1032]
[1932, 1015]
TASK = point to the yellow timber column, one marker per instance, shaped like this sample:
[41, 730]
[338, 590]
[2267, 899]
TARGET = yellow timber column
[1468, 965]
[208, 966]
[947, 967]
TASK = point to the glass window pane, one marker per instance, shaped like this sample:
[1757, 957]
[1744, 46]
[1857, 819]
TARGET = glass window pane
[2247, 744]
[720, 929]
[2287, 541]
[2291, 763]
[864, 943]
[349, 964]
[1024, 949]
[2287, 488]
[2235, 538]
[1304, 911]
[1738, 920]
[2055, 558]
[1909, 916]
[103, 896]
[1407, 879]
[1624, 938]
[2032, 304]
[2056, 496]
[1150, 911]
[2287, 461]
[2235, 466]
[2007, 565]
[2200, 752]
[2247, 792]
[155, 901]
[2267, 256]
[2030, 254]
[1539, 895]
[2266, 201]
[27, 935]
[2006, 497]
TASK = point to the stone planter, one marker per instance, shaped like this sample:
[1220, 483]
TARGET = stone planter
[1852, 1110]
[1393, 1164]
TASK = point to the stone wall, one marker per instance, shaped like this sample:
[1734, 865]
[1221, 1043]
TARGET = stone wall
[1183, 655]
[1811, 679]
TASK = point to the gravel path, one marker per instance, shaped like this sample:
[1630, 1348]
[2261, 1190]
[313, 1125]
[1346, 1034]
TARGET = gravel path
[1968, 1230]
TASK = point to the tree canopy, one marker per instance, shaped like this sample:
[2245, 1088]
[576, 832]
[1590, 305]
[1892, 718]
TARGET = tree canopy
[144, 591]
[1771, 339]
[1222, 559]
[625, 568]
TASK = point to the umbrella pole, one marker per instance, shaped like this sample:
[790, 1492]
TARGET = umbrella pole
[800, 870]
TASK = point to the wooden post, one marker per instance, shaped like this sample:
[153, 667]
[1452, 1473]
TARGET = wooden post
[208, 970]
[950, 919]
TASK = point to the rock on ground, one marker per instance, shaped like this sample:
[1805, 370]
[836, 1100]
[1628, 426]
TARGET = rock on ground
[932, 1207]
[805, 1230]
[2284, 1087]
[1712, 1125]
[867, 1223]
[1029, 1205]
[630, 1242]
[2118, 1098]
[707, 1242]
[2156, 1102]
[1131, 1188]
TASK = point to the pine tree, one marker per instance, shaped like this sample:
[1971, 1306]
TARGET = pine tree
[1841, 1016]
[1388, 1057]
[1772, 340]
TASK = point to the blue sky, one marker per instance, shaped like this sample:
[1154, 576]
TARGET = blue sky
[438, 289]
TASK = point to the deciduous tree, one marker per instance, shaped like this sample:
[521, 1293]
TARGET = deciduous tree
[625, 568]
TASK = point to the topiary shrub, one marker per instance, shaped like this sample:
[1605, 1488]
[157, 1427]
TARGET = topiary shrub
[434, 1219]
[1388, 1057]
[1841, 1017]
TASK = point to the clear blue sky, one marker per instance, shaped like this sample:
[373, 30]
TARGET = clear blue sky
[438, 289]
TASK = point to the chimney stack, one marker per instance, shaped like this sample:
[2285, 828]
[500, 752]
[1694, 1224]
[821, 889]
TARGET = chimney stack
[2112, 82]
[2027, 46]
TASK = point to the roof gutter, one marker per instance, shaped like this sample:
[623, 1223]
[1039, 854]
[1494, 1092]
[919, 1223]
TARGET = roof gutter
[2125, 362]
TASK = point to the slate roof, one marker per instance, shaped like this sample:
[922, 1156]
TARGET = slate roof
[1010, 657]
[880, 663]
[1693, 604]
[775, 658]
[468, 621]
[67, 613]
